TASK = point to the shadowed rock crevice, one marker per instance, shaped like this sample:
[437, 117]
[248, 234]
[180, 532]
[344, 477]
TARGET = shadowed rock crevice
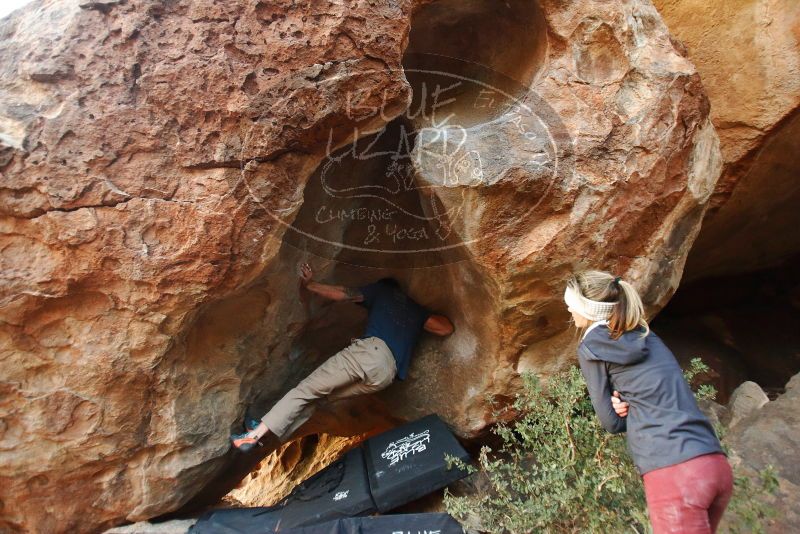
[744, 326]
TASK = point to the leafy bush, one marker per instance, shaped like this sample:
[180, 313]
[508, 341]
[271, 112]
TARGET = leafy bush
[696, 370]
[557, 470]
[748, 506]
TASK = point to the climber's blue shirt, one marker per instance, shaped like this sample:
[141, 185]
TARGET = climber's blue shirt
[395, 318]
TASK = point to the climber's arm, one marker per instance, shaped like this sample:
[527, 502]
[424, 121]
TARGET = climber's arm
[338, 293]
[331, 292]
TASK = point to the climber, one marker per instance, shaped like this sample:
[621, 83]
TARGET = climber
[636, 385]
[371, 363]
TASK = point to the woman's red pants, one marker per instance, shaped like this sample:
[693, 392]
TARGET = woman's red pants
[689, 497]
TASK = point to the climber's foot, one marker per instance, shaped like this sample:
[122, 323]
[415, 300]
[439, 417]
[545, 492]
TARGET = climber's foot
[244, 442]
[251, 424]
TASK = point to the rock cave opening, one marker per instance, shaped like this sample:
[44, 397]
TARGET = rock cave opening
[368, 213]
[745, 327]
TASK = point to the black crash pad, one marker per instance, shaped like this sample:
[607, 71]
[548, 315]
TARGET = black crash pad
[386, 524]
[387, 471]
[408, 462]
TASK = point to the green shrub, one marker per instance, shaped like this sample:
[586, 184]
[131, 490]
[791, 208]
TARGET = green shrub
[748, 506]
[698, 369]
[558, 471]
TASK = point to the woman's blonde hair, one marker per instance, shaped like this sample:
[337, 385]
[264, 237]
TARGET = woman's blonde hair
[628, 314]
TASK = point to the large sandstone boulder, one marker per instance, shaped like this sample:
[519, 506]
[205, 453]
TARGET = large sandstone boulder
[748, 55]
[166, 166]
[136, 313]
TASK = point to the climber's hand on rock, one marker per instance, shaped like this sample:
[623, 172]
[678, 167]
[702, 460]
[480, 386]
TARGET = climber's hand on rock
[620, 406]
[306, 274]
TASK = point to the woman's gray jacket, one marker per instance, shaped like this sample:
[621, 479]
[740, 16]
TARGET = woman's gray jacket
[664, 424]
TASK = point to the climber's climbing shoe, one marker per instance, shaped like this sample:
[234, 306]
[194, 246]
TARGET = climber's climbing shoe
[244, 442]
[251, 424]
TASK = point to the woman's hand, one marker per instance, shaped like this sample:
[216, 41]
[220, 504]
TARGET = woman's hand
[620, 406]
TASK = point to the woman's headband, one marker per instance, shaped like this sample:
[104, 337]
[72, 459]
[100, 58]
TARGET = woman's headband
[591, 309]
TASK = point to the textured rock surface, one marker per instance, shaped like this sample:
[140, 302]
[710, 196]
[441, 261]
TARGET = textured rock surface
[281, 471]
[746, 399]
[147, 298]
[769, 436]
[748, 55]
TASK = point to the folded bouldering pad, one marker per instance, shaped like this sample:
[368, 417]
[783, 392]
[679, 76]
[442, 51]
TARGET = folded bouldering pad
[386, 524]
[408, 462]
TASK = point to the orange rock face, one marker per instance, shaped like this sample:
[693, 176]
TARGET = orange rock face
[748, 55]
[166, 166]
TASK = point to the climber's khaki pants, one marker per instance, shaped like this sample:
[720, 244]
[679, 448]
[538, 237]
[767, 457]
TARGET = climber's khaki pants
[366, 366]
